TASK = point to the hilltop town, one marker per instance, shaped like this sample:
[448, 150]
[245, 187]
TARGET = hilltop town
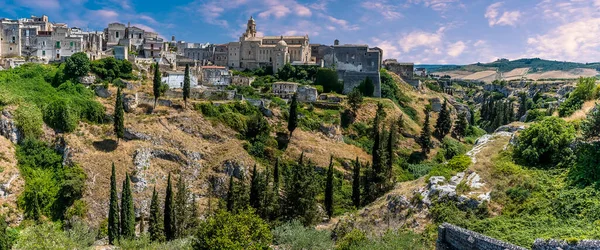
[121, 139]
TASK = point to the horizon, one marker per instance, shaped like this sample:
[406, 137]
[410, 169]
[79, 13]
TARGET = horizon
[437, 32]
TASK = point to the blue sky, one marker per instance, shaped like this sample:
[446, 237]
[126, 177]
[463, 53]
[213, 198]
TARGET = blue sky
[420, 31]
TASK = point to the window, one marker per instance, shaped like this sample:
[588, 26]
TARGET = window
[117, 34]
[71, 44]
[58, 45]
[140, 36]
[43, 53]
[14, 39]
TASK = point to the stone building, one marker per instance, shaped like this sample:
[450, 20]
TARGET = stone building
[404, 70]
[285, 90]
[175, 79]
[353, 63]
[252, 52]
[307, 94]
[242, 80]
[208, 54]
[113, 34]
[216, 76]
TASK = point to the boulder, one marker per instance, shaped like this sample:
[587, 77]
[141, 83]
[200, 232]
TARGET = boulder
[131, 134]
[331, 131]
[235, 169]
[8, 127]
[101, 91]
[130, 102]
[87, 80]
[436, 104]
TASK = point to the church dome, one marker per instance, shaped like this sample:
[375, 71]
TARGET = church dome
[282, 43]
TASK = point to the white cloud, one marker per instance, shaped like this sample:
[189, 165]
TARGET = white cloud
[390, 50]
[277, 11]
[507, 18]
[574, 41]
[341, 23]
[383, 8]
[439, 5]
[418, 39]
[456, 49]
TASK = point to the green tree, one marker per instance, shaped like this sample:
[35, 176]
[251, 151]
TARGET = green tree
[328, 78]
[299, 194]
[182, 208]
[127, 211]
[113, 212]
[522, 105]
[425, 138]
[230, 201]
[224, 230]
[286, 73]
[376, 176]
[390, 157]
[119, 119]
[356, 183]
[254, 189]
[61, 115]
[155, 227]
[366, 87]
[157, 83]
[355, 100]
[77, 65]
[591, 125]
[5, 240]
[461, 126]
[444, 122]
[169, 213]
[546, 144]
[186, 85]
[257, 127]
[293, 115]
[276, 191]
[329, 189]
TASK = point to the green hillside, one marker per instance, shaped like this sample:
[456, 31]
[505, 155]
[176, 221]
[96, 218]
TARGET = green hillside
[535, 64]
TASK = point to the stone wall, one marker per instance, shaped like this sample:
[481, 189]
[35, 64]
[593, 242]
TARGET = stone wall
[451, 237]
[353, 79]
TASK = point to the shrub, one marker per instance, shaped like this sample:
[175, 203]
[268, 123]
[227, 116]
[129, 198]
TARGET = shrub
[351, 240]
[451, 147]
[366, 87]
[224, 230]
[534, 115]
[48, 236]
[459, 163]
[28, 119]
[77, 65]
[293, 235]
[584, 91]
[546, 144]
[61, 115]
[328, 78]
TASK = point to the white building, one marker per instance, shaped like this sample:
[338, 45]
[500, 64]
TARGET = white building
[175, 79]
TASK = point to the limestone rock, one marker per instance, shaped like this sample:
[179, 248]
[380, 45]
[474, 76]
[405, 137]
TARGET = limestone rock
[8, 127]
[130, 102]
[87, 80]
[234, 168]
[131, 134]
[436, 104]
[331, 131]
[397, 203]
[102, 92]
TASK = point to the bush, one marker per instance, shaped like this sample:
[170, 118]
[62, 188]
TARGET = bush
[451, 147]
[366, 87]
[546, 144]
[459, 163]
[50, 236]
[77, 65]
[144, 242]
[352, 240]
[584, 91]
[328, 78]
[534, 115]
[293, 235]
[61, 115]
[224, 230]
[29, 120]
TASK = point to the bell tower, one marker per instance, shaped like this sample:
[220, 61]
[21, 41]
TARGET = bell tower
[251, 28]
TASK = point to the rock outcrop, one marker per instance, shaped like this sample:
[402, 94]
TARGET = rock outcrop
[8, 127]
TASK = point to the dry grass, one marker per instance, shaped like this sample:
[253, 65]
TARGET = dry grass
[581, 113]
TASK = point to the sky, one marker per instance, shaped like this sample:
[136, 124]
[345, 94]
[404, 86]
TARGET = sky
[419, 31]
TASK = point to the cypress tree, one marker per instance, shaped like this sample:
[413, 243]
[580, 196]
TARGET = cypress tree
[425, 138]
[181, 208]
[444, 122]
[329, 189]
[156, 83]
[276, 177]
[356, 184]
[377, 153]
[460, 128]
[299, 194]
[472, 117]
[230, 195]
[241, 197]
[154, 222]
[113, 212]
[186, 85]
[301, 160]
[254, 189]
[390, 156]
[169, 219]
[5, 241]
[119, 119]
[522, 105]
[275, 194]
[127, 211]
[293, 115]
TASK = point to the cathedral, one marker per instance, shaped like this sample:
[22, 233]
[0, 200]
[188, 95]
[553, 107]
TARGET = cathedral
[253, 52]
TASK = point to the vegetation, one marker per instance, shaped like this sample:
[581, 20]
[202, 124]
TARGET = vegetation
[535, 65]
[244, 230]
[156, 83]
[546, 144]
[110, 68]
[443, 124]
[366, 87]
[328, 78]
[186, 84]
[293, 116]
[425, 138]
[77, 65]
[584, 91]
[119, 119]
[113, 211]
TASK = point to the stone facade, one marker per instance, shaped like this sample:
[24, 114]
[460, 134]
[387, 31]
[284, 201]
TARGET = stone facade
[285, 90]
[404, 70]
[307, 94]
[353, 63]
[252, 52]
[242, 80]
[175, 80]
[217, 76]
